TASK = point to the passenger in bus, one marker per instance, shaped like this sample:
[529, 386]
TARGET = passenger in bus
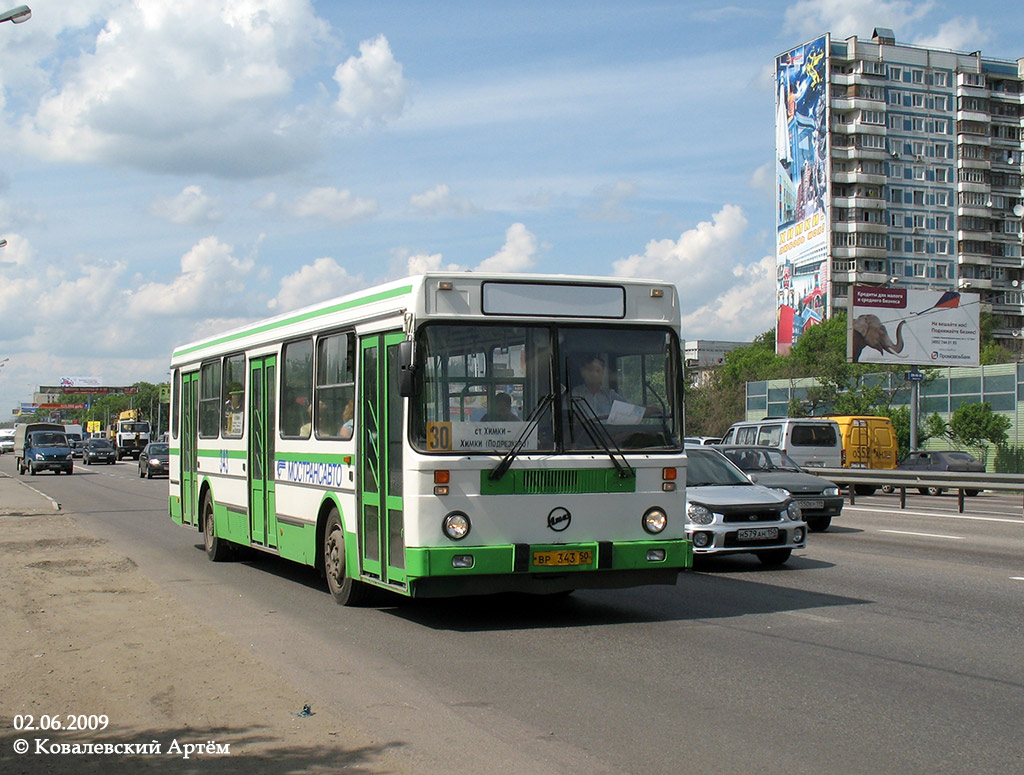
[233, 409]
[500, 410]
[347, 419]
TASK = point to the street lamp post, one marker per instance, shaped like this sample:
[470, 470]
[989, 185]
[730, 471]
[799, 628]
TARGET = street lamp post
[17, 15]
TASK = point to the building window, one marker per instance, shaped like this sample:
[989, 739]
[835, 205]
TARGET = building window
[920, 269]
[895, 73]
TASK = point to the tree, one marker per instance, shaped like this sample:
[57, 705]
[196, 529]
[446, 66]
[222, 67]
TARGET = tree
[974, 424]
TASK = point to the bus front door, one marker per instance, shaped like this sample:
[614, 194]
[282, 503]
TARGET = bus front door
[262, 416]
[381, 523]
[189, 457]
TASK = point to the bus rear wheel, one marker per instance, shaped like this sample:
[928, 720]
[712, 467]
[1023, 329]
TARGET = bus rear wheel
[344, 590]
[217, 549]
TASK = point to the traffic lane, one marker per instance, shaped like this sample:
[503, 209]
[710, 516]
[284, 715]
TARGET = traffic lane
[1002, 504]
[730, 667]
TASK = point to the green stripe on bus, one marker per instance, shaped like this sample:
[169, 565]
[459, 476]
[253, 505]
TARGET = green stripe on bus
[382, 296]
[298, 457]
[237, 454]
[556, 481]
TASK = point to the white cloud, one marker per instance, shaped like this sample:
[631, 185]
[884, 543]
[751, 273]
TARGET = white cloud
[371, 87]
[763, 178]
[189, 86]
[958, 34]
[517, 254]
[742, 311]
[422, 262]
[608, 200]
[843, 18]
[440, 201]
[338, 206]
[18, 251]
[323, 279]
[738, 300]
[192, 205]
[210, 283]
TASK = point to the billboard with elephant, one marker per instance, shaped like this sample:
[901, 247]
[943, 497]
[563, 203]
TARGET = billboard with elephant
[913, 327]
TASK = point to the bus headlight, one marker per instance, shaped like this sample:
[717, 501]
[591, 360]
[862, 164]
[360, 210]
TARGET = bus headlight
[699, 515]
[456, 525]
[795, 513]
[655, 520]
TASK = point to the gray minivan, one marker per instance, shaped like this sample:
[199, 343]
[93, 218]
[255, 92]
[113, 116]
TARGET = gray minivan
[810, 441]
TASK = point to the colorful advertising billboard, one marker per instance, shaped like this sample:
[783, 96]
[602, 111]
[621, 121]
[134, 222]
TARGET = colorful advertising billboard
[802, 182]
[915, 328]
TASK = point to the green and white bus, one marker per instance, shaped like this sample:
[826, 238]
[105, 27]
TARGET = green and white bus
[446, 434]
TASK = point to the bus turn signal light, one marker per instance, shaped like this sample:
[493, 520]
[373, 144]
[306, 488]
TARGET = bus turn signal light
[442, 477]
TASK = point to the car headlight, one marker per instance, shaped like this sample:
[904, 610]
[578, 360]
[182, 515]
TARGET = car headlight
[39, 456]
[698, 514]
[154, 462]
[781, 491]
[655, 520]
[830, 491]
[794, 511]
[456, 525]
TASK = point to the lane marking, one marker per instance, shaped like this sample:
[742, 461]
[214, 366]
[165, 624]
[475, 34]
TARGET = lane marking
[924, 535]
[1016, 578]
[934, 514]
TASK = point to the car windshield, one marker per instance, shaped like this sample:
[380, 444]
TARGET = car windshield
[710, 467]
[99, 444]
[157, 449]
[761, 460]
[558, 388]
[44, 439]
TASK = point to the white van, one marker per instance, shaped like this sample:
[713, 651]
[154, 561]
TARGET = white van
[810, 441]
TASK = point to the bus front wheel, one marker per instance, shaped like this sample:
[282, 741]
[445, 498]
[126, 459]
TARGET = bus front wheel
[344, 590]
[217, 549]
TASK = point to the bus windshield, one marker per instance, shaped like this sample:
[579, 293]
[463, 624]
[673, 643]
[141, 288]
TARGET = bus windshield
[485, 387]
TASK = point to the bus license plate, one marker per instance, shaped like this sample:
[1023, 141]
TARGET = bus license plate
[757, 534]
[562, 558]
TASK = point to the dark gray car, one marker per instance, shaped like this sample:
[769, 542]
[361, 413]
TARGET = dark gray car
[154, 460]
[820, 500]
[941, 460]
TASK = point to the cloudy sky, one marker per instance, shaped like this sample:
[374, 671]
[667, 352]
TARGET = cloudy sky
[176, 167]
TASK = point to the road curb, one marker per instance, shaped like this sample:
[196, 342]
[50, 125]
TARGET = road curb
[53, 504]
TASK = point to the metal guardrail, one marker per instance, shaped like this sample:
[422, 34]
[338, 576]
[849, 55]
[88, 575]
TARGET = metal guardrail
[902, 480]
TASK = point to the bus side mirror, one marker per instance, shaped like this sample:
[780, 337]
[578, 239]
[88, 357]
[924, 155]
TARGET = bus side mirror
[406, 370]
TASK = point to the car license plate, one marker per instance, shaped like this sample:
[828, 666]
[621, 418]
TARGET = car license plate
[563, 558]
[757, 534]
[812, 504]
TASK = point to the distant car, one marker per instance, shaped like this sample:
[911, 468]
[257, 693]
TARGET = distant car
[728, 514]
[154, 460]
[98, 451]
[6, 444]
[77, 447]
[947, 460]
[820, 500]
[701, 440]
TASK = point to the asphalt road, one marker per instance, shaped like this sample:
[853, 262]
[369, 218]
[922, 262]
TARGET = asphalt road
[893, 644]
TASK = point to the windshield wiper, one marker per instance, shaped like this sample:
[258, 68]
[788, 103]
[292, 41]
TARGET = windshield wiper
[599, 435]
[531, 422]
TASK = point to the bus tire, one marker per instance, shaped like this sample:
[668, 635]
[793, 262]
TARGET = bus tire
[344, 590]
[217, 549]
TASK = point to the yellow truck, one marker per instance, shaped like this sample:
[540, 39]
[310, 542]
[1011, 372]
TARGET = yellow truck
[868, 442]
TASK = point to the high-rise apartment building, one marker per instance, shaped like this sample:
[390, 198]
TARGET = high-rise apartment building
[898, 164]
